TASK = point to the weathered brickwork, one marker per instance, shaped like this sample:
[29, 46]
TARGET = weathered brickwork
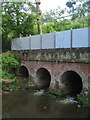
[60, 55]
[57, 69]
[57, 62]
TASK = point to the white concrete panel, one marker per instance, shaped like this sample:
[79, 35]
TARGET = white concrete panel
[48, 40]
[25, 43]
[36, 42]
[80, 37]
[15, 44]
[63, 39]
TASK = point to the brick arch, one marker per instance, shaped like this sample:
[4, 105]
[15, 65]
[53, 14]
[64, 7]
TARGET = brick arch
[76, 70]
[65, 70]
[71, 68]
[72, 82]
[43, 66]
[57, 69]
[26, 67]
[43, 78]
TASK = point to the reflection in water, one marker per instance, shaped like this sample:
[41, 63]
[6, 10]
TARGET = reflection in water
[24, 104]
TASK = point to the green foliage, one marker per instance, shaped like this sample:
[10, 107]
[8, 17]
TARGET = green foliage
[10, 86]
[66, 24]
[7, 74]
[54, 93]
[17, 20]
[49, 27]
[83, 99]
[80, 7]
[53, 20]
[9, 64]
[53, 15]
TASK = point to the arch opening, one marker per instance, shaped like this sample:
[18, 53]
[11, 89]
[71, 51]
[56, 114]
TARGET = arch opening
[72, 83]
[43, 78]
[24, 71]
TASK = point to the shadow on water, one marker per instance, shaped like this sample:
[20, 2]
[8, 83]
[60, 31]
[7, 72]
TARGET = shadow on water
[24, 104]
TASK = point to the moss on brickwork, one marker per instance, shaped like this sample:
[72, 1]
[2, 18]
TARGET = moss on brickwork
[60, 55]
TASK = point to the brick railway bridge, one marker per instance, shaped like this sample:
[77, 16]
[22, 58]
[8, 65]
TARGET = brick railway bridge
[64, 69]
[59, 59]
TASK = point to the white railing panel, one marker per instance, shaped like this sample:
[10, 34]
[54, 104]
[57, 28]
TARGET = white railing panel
[15, 44]
[80, 37]
[48, 40]
[63, 39]
[25, 43]
[36, 42]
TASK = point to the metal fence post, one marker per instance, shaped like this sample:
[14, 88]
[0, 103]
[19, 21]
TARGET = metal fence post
[40, 41]
[71, 42]
[30, 43]
[54, 40]
[54, 43]
[20, 48]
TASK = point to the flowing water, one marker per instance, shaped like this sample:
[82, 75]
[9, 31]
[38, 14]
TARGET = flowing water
[30, 104]
[26, 104]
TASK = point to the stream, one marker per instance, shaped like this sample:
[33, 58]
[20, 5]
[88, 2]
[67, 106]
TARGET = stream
[26, 104]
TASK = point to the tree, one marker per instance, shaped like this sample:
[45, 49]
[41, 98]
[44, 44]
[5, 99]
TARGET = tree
[49, 27]
[80, 7]
[53, 15]
[18, 19]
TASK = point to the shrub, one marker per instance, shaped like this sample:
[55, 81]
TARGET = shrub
[10, 62]
[83, 99]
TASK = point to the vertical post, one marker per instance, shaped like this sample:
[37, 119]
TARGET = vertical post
[71, 43]
[54, 43]
[20, 43]
[38, 12]
[54, 40]
[20, 48]
[40, 41]
[30, 43]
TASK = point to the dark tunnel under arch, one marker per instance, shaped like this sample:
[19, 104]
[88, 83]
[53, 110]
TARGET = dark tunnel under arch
[24, 71]
[43, 78]
[72, 82]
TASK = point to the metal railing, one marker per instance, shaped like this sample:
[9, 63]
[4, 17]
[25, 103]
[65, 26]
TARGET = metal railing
[73, 38]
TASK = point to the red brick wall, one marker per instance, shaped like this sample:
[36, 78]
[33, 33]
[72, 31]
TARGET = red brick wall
[58, 69]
